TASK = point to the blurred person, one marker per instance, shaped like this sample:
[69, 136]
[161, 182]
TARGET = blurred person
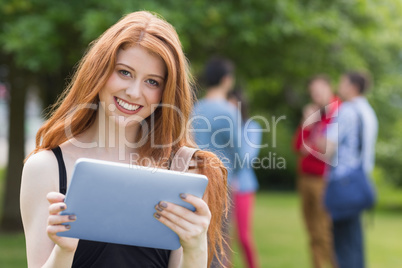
[245, 183]
[352, 143]
[311, 170]
[215, 123]
[130, 76]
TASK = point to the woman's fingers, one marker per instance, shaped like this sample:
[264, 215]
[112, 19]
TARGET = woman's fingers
[191, 227]
[189, 235]
[52, 230]
[173, 215]
[201, 208]
[56, 208]
[172, 225]
[164, 207]
[55, 197]
[57, 219]
[193, 222]
[57, 223]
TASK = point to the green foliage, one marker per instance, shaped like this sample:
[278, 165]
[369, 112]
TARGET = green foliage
[276, 46]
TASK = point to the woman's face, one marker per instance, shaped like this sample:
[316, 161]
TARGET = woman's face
[135, 86]
[320, 92]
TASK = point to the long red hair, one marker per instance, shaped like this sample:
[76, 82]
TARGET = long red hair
[170, 128]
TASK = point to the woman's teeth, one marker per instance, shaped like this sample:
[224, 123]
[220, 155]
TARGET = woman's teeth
[127, 106]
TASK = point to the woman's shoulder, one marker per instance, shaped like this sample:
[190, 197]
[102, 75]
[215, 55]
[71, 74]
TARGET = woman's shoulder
[43, 159]
[41, 168]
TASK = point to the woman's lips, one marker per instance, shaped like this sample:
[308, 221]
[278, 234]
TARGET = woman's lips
[126, 107]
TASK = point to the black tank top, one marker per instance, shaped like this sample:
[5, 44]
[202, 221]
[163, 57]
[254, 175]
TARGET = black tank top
[91, 254]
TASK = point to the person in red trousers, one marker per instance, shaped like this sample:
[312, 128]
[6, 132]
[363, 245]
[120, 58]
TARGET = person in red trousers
[245, 183]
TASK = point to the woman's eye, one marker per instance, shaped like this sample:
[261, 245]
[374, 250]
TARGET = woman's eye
[152, 82]
[125, 73]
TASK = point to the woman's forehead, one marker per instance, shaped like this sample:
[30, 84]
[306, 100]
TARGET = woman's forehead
[139, 57]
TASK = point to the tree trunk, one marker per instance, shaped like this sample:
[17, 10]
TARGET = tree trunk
[51, 86]
[11, 218]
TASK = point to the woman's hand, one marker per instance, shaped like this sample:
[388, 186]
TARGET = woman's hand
[191, 227]
[55, 221]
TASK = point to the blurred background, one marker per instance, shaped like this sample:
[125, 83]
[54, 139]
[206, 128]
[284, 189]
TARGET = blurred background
[276, 46]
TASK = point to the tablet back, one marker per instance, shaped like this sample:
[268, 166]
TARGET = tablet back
[115, 202]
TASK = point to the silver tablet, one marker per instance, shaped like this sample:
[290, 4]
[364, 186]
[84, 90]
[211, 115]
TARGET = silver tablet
[115, 202]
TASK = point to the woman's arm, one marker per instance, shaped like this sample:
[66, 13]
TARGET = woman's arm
[41, 221]
[175, 258]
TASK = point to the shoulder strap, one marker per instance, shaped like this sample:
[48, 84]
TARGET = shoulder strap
[360, 128]
[182, 158]
[62, 170]
[360, 133]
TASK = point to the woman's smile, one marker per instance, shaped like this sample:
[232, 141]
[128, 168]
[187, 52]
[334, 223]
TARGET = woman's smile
[127, 107]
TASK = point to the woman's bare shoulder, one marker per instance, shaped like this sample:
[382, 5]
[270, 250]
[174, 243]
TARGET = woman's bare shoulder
[41, 169]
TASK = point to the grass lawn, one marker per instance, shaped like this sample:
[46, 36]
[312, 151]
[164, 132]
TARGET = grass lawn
[279, 234]
[282, 242]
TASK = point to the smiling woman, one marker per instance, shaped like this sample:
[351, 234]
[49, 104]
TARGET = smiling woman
[136, 84]
[128, 82]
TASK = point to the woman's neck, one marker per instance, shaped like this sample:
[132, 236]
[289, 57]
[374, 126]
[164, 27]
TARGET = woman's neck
[109, 136]
[216, 93]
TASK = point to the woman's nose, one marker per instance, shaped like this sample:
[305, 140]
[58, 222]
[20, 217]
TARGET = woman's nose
[134, 89]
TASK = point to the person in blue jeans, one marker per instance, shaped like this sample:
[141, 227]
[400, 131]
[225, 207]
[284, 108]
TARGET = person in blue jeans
[245, 183]
[216, 123]
[349, 148]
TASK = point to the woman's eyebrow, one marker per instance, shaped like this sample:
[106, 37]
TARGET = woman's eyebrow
[129, 67]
